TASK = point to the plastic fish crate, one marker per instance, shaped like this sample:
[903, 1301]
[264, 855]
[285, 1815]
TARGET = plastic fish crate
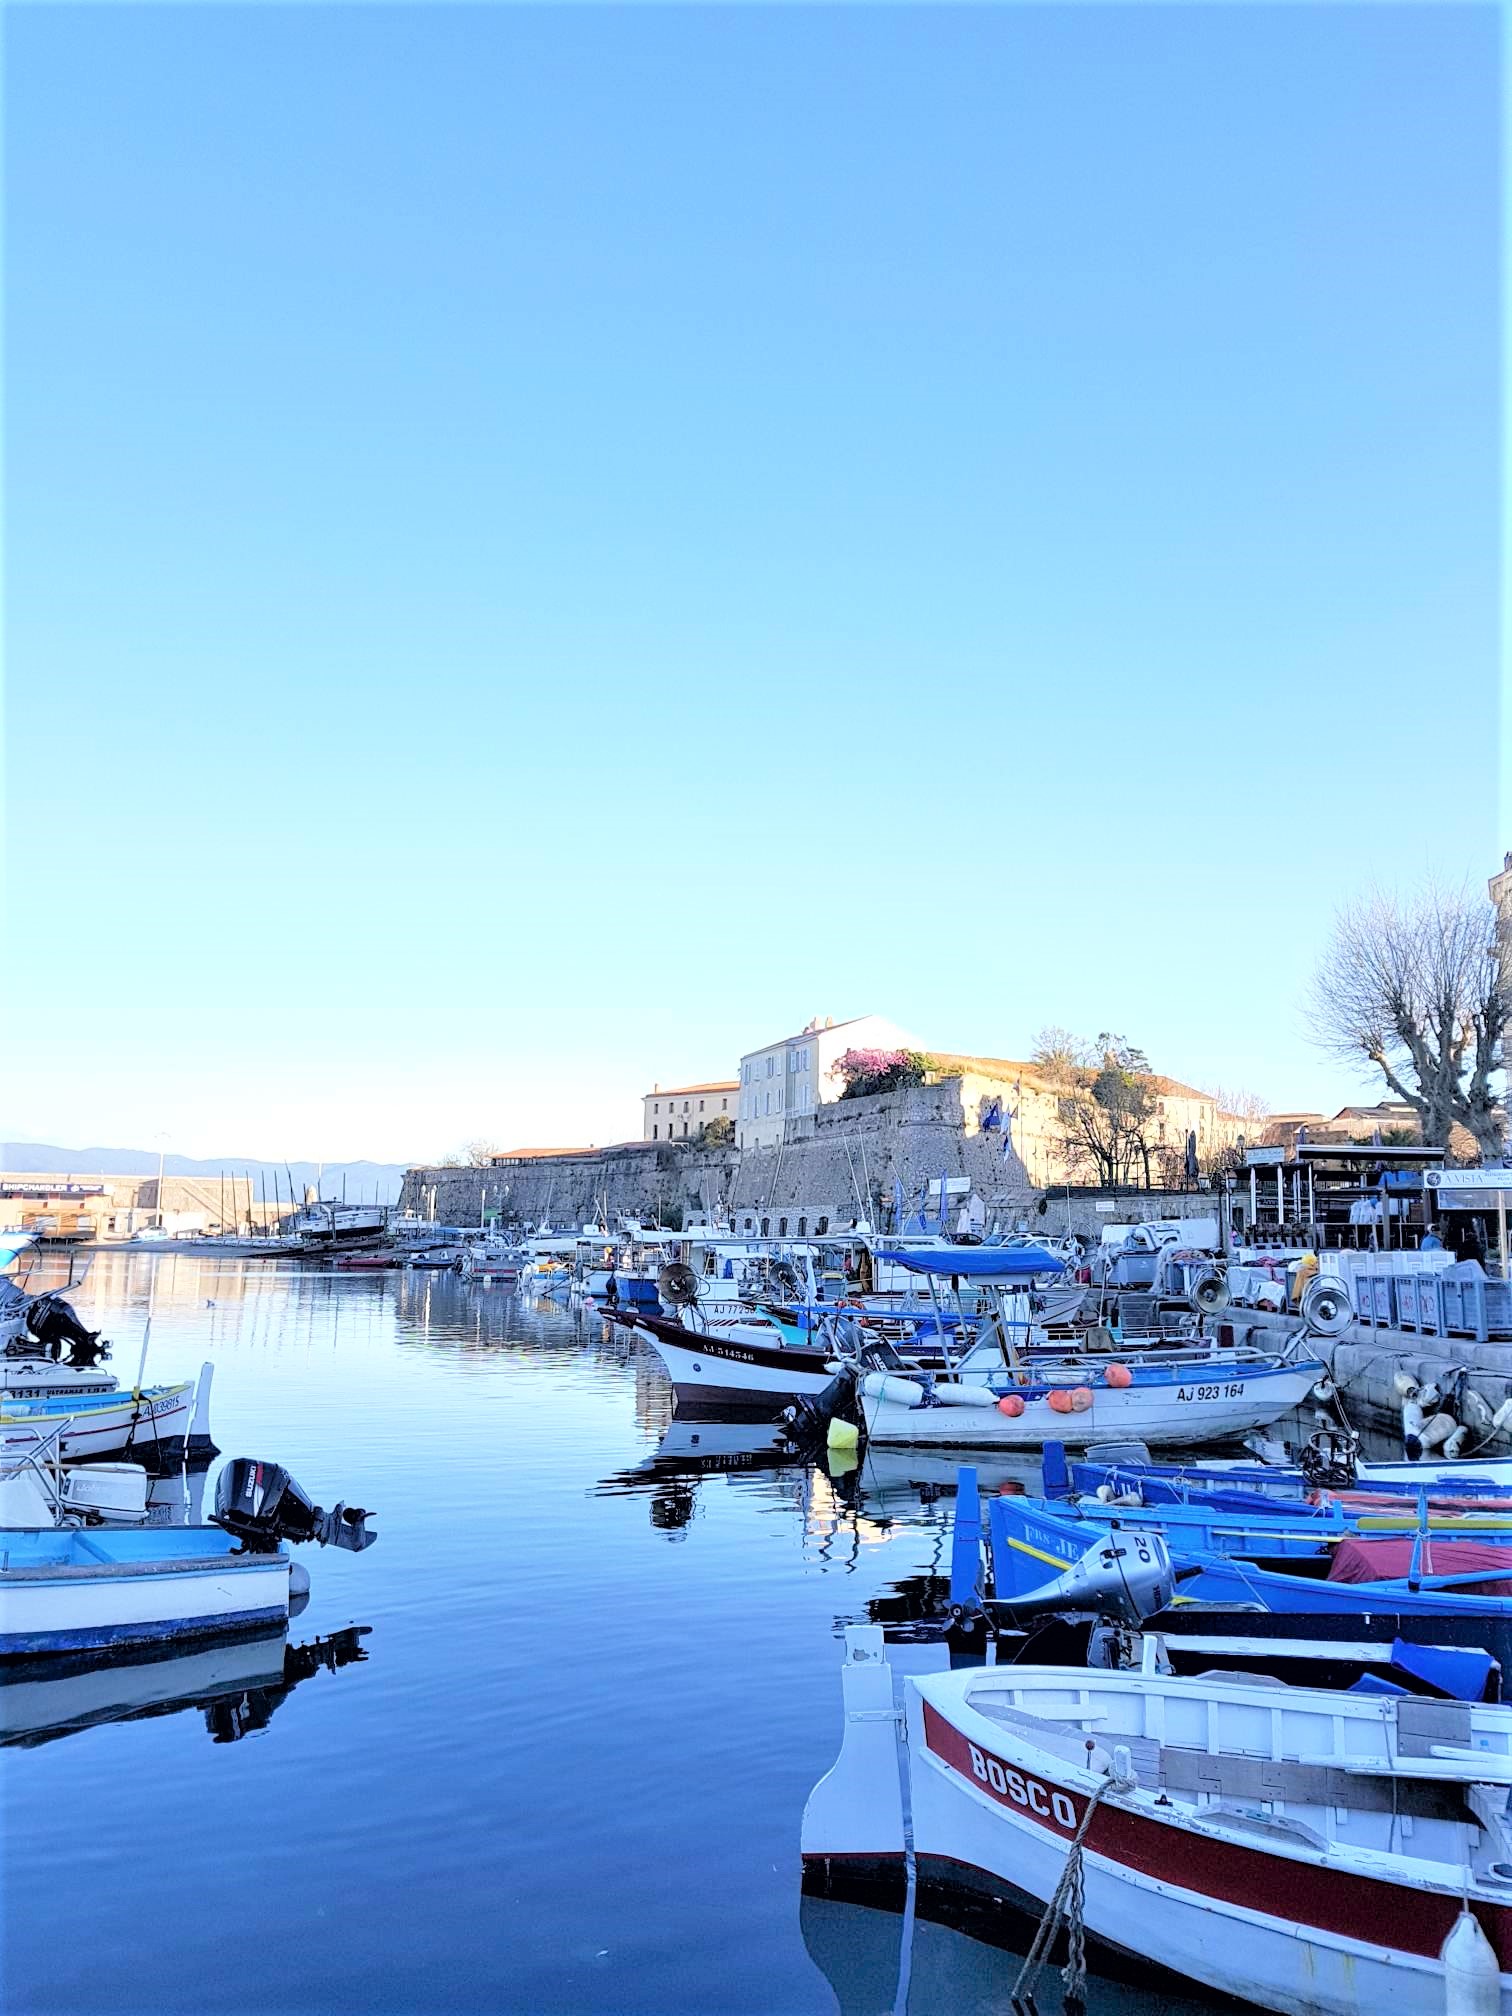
[1472, 1306]
[1417, 1302]
[1375, 1297]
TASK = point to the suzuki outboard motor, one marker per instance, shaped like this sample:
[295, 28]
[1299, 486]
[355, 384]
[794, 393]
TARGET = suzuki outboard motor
[261, 1505]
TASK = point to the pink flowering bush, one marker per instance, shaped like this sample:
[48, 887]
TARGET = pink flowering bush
[869, 1071]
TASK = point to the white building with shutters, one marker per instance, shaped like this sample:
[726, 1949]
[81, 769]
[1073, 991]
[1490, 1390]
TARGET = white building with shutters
[789, 1080]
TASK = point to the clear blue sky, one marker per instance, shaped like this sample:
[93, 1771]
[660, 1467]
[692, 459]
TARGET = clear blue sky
[548, 546]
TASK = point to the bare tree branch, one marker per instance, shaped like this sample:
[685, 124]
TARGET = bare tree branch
[1418, 988]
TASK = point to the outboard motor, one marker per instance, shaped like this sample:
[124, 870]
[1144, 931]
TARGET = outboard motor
[262, 1506]
[1126, 1575]
[53, 1323]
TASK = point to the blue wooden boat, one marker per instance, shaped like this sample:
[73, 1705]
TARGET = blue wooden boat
[1234, 1485]
[1235, 1580]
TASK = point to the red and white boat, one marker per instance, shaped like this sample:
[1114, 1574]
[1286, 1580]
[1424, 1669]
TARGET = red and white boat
[1318, 1853]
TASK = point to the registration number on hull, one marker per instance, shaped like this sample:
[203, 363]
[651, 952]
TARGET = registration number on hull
[1233, 1390]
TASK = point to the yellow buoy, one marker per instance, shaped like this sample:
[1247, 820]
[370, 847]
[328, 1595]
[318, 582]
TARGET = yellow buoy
[842, 1434]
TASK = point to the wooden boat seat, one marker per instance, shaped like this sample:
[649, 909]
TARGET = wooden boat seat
[1226, 1777]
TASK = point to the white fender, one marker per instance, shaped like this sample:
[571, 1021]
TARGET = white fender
[965, 1396]
[1472, 1979]
[1405, 1385]
[1455, 1446]
[1502, 1415]
[1438, 1430]
[1430, 1396]
[1412, 1430]
[1476, 1411]
[887, 1386]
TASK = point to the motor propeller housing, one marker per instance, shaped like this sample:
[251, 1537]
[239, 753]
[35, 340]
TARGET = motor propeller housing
[262, 1506]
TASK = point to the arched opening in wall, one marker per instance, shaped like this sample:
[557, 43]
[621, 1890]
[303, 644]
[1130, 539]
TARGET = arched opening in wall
[802, 1227]
[782, 1228]
[766, 1227]
[822, 1227]
[749, 1223]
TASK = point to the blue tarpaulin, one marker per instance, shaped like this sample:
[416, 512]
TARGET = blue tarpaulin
[1401, 1179]
[1454, 1670]
[977, 1263]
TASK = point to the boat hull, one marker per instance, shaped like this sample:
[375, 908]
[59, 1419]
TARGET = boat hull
[154, 1422]
[61, 1608]
[1183, 1411]
[734, 1371]
[1219, 1913]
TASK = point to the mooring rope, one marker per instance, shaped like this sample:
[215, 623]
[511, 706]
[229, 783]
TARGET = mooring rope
[1068, 1900]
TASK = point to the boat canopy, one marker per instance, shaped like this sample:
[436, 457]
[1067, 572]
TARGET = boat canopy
[975, 1263]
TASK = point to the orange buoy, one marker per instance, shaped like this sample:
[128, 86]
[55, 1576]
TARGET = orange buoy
[1119, 1375]
[1012, 1405]
[1060, 1400]
[1081, 1399]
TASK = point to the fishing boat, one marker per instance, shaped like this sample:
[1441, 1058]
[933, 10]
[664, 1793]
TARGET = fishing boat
[997, 1401]
[68, 1589]
[733, 1364]
[997, 1395]
[1127, 1472]
[1312, 1852]
[1264, 1580]
[163, 1426]
[733, 1355]
[328, 1222]
[484, 1258]
[44, 1348]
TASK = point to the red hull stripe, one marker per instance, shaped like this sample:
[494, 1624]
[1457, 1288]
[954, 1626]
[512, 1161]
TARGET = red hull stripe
[1376, 1913]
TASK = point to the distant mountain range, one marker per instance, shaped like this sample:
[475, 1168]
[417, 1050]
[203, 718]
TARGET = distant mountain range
[363, 1182]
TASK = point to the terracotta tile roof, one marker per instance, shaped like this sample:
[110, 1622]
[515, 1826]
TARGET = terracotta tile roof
[537, 1154]
[677, 1091]
[950, 1062]
[549, 1154]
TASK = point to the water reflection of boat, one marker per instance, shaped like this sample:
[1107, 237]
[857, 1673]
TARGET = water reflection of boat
[237, 1683]
[691, 1449]
[895, 1481]
[859, 1950]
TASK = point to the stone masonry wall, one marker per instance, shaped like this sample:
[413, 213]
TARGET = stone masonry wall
[841, 1163]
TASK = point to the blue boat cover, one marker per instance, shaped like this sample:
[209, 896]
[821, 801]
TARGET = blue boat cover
[1452, 1669]
[977, 1263]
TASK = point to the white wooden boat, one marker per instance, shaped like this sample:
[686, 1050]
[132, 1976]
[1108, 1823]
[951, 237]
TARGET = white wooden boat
[33, 1378]
[159, 1424]
[71, 1589]
[740, 1363]
[67, 1589]
[1187, 1398]
[1317, 1853]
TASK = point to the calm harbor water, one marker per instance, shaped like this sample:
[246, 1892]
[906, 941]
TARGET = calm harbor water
[600, 1677]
